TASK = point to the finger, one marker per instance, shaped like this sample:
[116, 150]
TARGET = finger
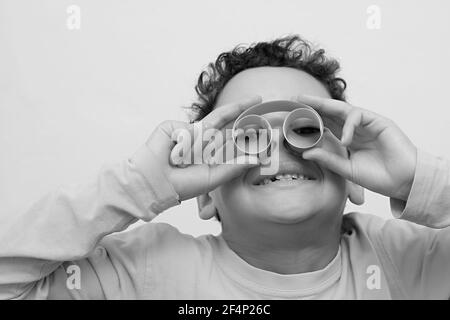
[366, 122]
[330, 107]
[186, 142]
[204, 178]
[223, 173]
[189, 141]
[208, 148]
[161, 140]
[222, 115]
[353, 120]
[331, 161]
[175, 138]
[216, 120]
[217, 147]
[180, 153]
[197, 148]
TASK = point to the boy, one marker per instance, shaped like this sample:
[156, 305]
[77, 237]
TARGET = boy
[284, 239]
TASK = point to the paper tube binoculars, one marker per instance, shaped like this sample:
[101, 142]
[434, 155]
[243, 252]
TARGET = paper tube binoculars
[302, 127]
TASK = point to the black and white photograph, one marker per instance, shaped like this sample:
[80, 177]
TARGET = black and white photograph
[239, 151]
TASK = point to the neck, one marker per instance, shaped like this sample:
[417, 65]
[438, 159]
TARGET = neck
[285, 248]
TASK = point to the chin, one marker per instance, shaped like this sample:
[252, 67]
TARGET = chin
[293, 216]
[285, 213]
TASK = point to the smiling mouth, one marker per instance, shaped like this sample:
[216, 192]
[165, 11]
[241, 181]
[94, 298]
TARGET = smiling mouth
[287, 177]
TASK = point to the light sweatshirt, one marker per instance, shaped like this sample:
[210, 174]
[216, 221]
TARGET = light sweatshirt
[74, 232]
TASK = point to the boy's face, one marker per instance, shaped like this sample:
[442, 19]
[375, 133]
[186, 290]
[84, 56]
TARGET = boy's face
[245, 199]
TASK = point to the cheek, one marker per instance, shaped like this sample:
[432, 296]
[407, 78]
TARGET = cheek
[229, 196]
[335, 183]
[335, 193]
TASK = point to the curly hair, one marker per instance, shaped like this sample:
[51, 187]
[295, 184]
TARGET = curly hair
[290, 51]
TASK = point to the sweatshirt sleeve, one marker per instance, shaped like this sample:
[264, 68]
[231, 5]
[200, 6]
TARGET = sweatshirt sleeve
[44, 249]
[418, 242]
[428, 203]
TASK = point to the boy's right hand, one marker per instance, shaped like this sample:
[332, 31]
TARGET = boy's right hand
[196, 179]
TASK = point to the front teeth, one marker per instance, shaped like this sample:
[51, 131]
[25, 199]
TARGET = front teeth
[284, 177]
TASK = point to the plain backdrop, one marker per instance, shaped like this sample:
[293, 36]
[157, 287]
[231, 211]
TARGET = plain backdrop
[74, 100]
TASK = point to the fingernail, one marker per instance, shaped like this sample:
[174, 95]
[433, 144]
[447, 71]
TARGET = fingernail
[246, 160]
[305, 156]
[264, 161]
[251, 160]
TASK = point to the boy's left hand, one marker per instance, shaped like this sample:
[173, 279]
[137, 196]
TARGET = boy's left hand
[382, 158]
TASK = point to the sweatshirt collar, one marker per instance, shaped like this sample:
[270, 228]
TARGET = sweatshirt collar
[269, 282]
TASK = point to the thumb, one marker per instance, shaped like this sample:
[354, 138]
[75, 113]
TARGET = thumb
[330, 160]
[222, 173]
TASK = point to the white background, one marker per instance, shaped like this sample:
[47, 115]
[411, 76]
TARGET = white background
[73, 100]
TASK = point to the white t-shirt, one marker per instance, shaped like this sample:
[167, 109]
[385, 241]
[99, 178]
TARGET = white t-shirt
[73, 231]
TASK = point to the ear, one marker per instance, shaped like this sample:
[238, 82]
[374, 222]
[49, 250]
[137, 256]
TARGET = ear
[206, 208]
[355, 193]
